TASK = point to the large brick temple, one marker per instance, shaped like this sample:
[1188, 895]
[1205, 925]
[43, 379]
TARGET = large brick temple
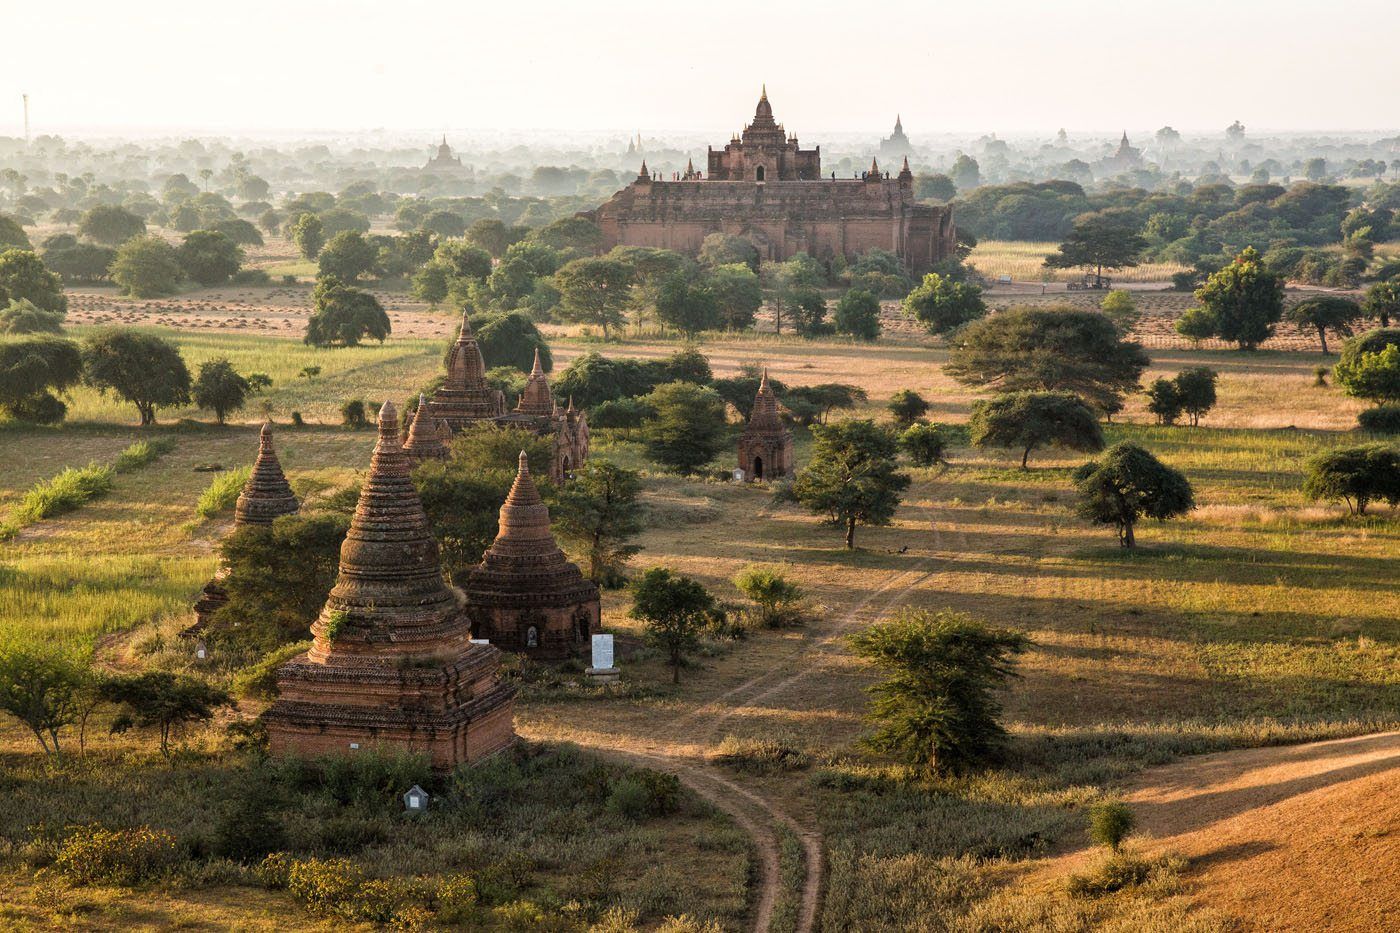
[766, 188]
[392, 664]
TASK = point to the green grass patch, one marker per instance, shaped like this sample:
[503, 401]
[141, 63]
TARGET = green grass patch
[142, 453]
[222, 492]
[67, 491]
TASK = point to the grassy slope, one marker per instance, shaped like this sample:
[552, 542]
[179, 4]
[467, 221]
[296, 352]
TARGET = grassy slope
[1259, 617]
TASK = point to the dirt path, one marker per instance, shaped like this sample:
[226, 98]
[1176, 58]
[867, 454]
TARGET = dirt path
[1303, 837]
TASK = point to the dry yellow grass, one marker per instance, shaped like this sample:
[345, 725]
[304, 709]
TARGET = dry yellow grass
[1024, 261]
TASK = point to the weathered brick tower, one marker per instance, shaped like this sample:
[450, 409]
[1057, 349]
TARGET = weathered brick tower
[765, 447]
[392, 664]
[525, 595]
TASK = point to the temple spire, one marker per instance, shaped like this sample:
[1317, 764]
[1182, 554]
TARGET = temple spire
[537, 371]
[267, 494]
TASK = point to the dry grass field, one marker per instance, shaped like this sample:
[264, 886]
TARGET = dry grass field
[1024, 261]
[1260, 619]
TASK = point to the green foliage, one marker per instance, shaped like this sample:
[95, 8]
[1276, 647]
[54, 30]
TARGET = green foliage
[147, 267]
[1195, 390]
[1048, 349]
[594, 291]
[689, 426]
[1128, 483]
[675, 611]
[258, 681]
[1383, 419]
[578, 234]
[110, 225]
[343, 316]
[308, 233]
[1244, 301]
[92, 855]
[209, 257]
[22, 317]
[808, 405]
[907, 406]
[1355, 475]
[1118, 306]
[1107, 239]
[43, 689]
[1163, 400]
[66, 491]
[938, 709]
[1110, 823]
[738, 293]
[599, 512]
[591, 378]
[1325, 314]
[163, 701]
[926, 444]
[143, 369]
[942, 304]
[1369, 366]
[463, 503]
[346, 257]
[687, 306]
[852, 477]
[141, 454]
[1025, 421]
[219, 387]
[78, 262]
[1383, 301]
[222, 492]
[32, 369]
[1197, 323]
[12, 235]
[510, 338]
[779, 600]
[725, 249]
[239, 232]
[858, 314]
[1123, 871]
[24, 277]
[352, 414]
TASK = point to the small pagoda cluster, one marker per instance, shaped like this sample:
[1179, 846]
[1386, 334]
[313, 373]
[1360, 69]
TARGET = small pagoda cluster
[765, 447]
[392, 663]
[466, 398]
[265, 496]
[525, 595]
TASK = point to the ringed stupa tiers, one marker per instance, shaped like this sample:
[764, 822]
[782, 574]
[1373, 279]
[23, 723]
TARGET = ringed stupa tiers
[525, 595]
[763, 186]
[392, 664]
[765, 447]
[428, 437]
[265, 497]
[465, 396]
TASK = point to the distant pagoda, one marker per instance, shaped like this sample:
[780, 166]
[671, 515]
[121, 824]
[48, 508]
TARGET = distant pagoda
[568, 427]
[427, 436]
[525, 595]
[444, 161]
[765, 447]
[465, 396]
[896, 145]
[392, 664]
[265, 497]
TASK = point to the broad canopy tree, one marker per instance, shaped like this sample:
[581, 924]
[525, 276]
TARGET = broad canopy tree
[1357, 476]
[599, 512]
[675, 610]
[343, 316]
[1241, 303]
[943, 304]
[853, 477]
[1127, 484]
[1026, 420]
[1323, 314]
[1109, 239]
[595, 291]
[143, 369]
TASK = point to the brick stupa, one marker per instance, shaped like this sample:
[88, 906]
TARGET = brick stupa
[765, 447]
[465, 396]
[392, 664]
[537, 411]
[525, 595]
[265, 497]
[427, 436]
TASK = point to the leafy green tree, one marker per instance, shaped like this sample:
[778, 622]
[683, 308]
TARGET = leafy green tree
[342, 316]
[32, 370]
[675, 611]
[1110, 823]
[494, 236]
[926, 444]
[779, 600]
[43, 690]
[430, 284]
[1242, 302]
[1048, 350]
[1324, 314]
[1025, 421]
[24, 277]
[907, 406]
[12, 235]
[240, 232]
[1195, 388]
[797, 280]
[444, 224]
[936, 187]
[347, 256]
[577, 234]
[966, 173]
[147, 267]
[942, 304]
[278, 577]
[809, 404]
[1357, 476]
[689, 427]
[858, 314]
[463, 503]
[220, 388]
[208, 257]
[21, 317]
[724, 249]
[938, 709]
[1383, 301]
[1118, 306]
[599, 512]
[1126, 484]
[111, 225]
[78, 262]
[1163, 400]
[510, 339]
[164, 701]
[1108, 239]
[594, 291]
[143, 369]
[462, 260]
[687, 306]
[1369, 366]
[737, 292]
[308, 233]
[852, 477]
[807, 309]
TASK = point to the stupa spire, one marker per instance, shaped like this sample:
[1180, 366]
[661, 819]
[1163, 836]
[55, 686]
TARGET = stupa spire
[266, 494]
[536, 399]
[425, 437]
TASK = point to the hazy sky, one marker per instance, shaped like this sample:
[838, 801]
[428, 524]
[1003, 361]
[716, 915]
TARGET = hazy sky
[976, 65]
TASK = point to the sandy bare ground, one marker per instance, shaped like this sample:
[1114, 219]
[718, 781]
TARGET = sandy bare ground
[1305, 837]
